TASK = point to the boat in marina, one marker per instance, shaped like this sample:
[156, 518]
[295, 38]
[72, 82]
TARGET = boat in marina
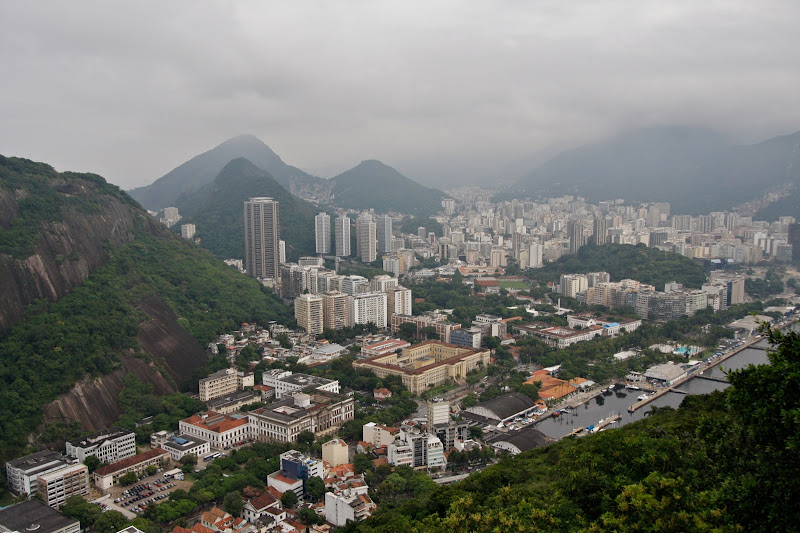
[642, 397]
[632, 387]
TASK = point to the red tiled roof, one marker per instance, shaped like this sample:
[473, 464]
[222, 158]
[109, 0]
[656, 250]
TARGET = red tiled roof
[200, 528]
[225, 423]
[263, 501]
[284, 479]
[130, 461]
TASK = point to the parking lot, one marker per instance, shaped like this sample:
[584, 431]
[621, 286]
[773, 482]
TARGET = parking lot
[132, 500]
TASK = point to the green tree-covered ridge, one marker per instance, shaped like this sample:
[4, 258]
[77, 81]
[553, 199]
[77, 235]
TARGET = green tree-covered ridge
[89, 330]
[623, 261]
[217, 210]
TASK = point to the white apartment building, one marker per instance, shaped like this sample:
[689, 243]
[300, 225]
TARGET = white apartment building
[347, 506]
[188, 231]
[366, 230]
[322, 232]
[55, 487]
[368, 307]
[284, 383]
[342, 230]
[379, 435]
[218, 384]
[572, 284]
[109, 445]
[383, 283]
[22, 474]
[353, 284]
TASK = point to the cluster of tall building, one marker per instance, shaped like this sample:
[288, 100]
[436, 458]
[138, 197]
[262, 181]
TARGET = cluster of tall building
[480, 232]
[327, 300]
[596, 288]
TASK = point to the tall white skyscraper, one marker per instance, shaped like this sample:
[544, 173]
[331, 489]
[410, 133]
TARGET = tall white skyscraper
[261, 237]
[384, 234]
[368, 307]
[322, 230]
[342, 236]
[367, 241]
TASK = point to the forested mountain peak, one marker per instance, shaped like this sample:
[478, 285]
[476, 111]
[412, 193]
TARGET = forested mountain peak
[202, 169]
[373, 184]
[217, 211]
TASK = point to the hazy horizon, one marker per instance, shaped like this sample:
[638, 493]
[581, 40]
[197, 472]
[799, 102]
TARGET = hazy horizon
[447, 93]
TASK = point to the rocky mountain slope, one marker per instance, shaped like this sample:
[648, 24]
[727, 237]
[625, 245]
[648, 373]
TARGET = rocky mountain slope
[93, 289]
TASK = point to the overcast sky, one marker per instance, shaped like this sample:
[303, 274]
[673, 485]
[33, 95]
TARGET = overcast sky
[443, 91]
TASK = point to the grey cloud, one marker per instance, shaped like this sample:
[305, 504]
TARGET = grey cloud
[446, 92]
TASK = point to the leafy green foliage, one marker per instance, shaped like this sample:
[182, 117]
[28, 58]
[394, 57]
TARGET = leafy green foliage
[624, 261]
[761, 289]
[88, 331]
[411, 226]
[45, 196]
[289, 499]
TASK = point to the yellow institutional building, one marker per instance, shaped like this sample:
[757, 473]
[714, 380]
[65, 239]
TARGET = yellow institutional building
[427, 364]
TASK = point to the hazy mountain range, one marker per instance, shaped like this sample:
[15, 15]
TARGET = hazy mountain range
[371, 184]
[695, 170]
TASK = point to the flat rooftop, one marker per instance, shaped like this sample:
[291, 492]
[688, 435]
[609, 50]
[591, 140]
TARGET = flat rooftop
[27, 515]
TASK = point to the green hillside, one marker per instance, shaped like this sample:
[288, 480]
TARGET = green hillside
[374, 185]
[88, 331]
[218, 211]
[624, 261]
[724, 462]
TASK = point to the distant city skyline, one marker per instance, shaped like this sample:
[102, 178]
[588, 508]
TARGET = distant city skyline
[472, 92]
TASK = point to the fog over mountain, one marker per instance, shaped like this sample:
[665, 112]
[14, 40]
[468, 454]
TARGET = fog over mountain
[447, 93]
[696, 170]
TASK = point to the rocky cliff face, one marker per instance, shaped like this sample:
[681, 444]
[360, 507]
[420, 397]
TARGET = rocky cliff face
[93, 401]
[67, 251]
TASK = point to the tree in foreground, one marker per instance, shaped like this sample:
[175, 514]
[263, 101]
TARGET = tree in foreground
[289, 499]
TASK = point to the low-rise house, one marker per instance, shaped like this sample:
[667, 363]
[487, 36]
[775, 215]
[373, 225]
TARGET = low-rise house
[181, 445]
[259, 507]
[107, 476]
[381, 394]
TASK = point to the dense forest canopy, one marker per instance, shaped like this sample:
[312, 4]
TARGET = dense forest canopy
[625, 261]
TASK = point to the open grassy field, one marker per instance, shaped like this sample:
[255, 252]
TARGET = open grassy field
[521, 285]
